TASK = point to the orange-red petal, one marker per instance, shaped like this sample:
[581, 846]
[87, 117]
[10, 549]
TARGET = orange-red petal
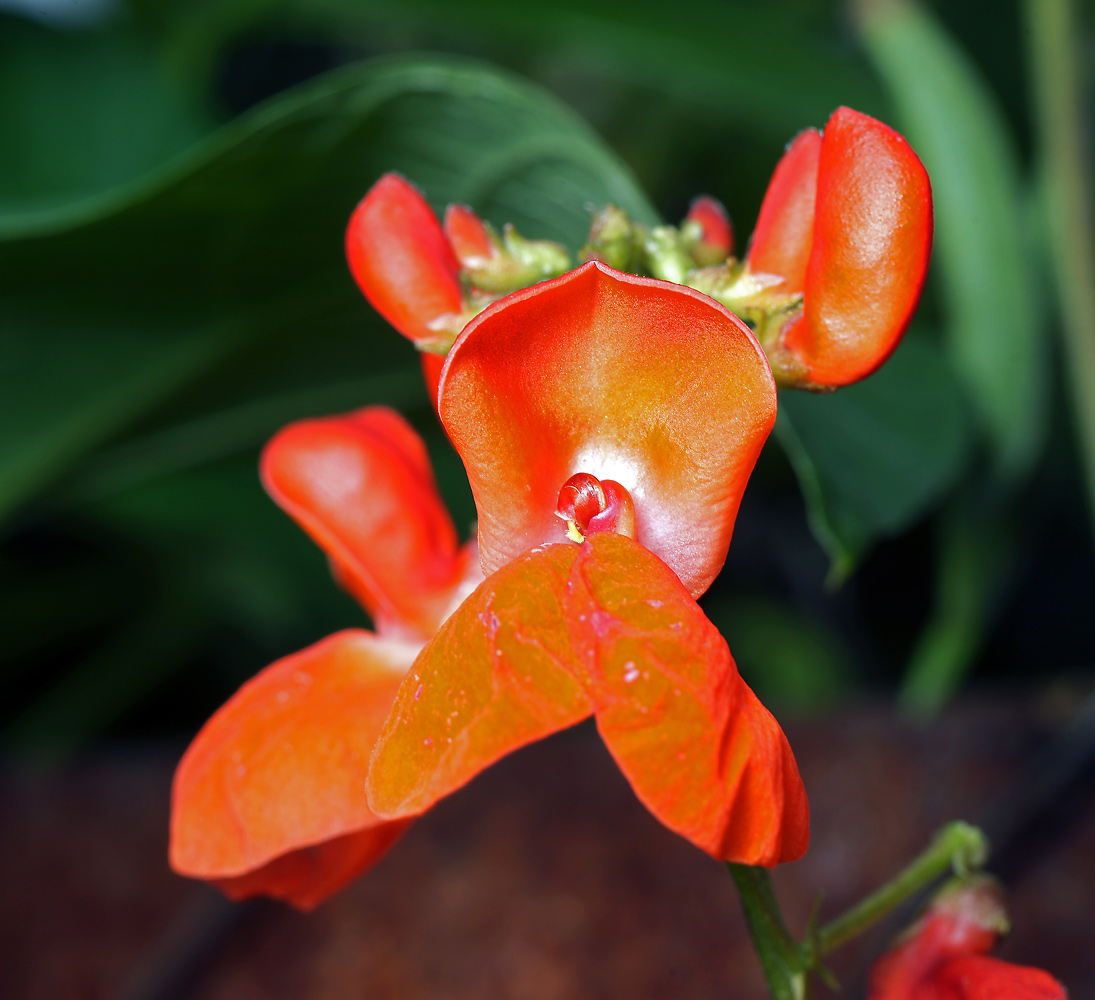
[307, 877]
[270, 796]
[468, 236]
[699, 749]
[643, 382]
[401, 260]
[784, 234]
[718, 234]
[361, 485]
[501, 673]
[871, 243]
[980, 977]
[942, 956]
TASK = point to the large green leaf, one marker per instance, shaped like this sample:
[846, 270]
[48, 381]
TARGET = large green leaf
[875, 457]
[82, 112]
[243, 236]
[995, 328]
[735, 61]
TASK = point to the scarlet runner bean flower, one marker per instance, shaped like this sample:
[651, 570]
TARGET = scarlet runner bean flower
[943, 956]
[621, 411]
[628, 413]
[846, 224]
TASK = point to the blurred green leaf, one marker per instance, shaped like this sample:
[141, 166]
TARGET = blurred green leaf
[69, 381]
[990, 283]
[976, 553]
[213, 293]
[754, 63]
[242, 238]
[793, 662]
[82, 113]
[875, 457]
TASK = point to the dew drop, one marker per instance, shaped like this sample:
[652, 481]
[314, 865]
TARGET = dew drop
[428, 741]
[631, 673]
[418, 692]
[282, 696]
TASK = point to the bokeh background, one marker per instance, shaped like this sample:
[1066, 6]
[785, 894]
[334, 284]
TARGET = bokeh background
[175, 177]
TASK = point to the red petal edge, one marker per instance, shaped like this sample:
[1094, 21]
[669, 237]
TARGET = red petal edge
[401, 260]
[270, 796]
[361, 485]
[785, 227]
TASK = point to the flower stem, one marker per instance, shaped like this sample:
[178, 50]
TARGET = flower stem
[785, 962]
[958, 845]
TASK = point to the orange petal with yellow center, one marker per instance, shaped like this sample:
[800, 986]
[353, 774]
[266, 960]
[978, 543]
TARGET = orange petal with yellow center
[699, 749]
[646, 383]
[361, 485]
[270, 796]
[784, 234]
[501, 673]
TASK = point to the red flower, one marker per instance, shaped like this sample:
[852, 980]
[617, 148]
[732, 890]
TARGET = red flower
[664, 398]
[943, 955]
[847, 224]
[619, 410]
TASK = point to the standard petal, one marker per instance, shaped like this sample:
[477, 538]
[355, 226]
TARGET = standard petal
[784, 233]
[281, 768]
[401, 260]
[872, 241]
[643, 382]
[361, 485]
[699, 749]
[501, 673]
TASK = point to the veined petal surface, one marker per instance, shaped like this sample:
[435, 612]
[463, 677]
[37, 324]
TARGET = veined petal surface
[643, 382]
[698, 747]
[501, 673]
[281, 768]
[361, 485]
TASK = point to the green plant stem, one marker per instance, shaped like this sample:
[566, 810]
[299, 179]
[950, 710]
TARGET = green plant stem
[958, 845]
[975, 553]
[1066, 169]
[785, 962]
